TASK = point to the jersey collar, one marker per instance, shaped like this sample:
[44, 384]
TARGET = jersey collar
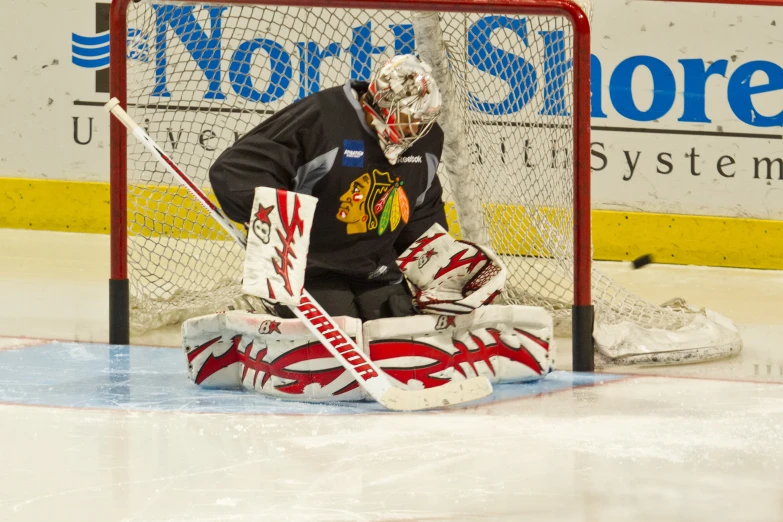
[352, 93]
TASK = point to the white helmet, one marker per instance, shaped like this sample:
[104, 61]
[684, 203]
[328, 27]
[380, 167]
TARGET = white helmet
[402, 86]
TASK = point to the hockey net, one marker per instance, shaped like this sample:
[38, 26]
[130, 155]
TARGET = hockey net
[201, 75]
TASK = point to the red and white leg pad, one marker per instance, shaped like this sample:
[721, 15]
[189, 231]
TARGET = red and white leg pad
[502, 343]
[273, 356]
[281, 358]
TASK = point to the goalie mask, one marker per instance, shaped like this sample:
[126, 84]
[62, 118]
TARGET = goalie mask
[404, 102]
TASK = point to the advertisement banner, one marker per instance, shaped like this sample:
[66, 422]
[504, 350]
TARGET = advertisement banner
[687, 108]
[687, 101]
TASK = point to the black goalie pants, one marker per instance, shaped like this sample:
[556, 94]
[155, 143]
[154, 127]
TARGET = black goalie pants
[363, 300]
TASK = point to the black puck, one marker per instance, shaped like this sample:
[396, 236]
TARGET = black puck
[641, 261]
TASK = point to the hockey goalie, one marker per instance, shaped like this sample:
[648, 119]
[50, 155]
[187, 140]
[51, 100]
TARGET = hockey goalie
[456, 333]
[373, 251]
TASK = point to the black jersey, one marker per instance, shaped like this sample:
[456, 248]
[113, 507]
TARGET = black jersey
[368, 211]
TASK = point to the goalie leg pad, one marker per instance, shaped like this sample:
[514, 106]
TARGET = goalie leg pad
[212, 357]
[503, 343]
[273, 356]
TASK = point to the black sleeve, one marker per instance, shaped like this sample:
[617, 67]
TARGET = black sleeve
[431, 211]
[268, 156]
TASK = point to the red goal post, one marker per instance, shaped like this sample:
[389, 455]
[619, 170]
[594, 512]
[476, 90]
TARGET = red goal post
[578, 155]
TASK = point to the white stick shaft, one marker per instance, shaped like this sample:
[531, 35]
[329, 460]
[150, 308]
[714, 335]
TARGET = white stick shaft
[339, 344]
[369, 376]
[114, 108]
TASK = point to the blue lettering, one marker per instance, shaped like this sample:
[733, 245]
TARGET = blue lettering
[404, 40]
[203, 43]
[596, 92]
[205, 48]
[279, 64]
[664, 89]
[309, 65]
[694, 99]
[740, 92]
[556, 68]
[361, 51]
[519, 74]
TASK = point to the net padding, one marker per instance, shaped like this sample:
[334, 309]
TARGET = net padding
[200, 76]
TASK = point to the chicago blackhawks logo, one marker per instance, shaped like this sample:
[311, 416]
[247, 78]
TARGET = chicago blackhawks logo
[353, 205]
[374, 202]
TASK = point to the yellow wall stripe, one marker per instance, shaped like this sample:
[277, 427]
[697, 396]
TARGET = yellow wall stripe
[688, 240]
[78, 206]
[70, 206]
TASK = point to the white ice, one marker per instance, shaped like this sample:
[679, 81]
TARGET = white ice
[96, 433]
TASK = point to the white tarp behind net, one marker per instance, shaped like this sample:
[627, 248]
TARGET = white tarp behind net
[199, 76]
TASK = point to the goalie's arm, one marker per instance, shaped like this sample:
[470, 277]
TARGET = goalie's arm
[429, 212]
[270, 155]
[250, 163]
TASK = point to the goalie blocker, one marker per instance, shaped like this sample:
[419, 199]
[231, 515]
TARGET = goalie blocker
[277, 245]
[281, 358]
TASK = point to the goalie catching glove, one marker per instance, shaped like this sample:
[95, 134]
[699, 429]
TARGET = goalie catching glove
[450, 276]
[277, 245]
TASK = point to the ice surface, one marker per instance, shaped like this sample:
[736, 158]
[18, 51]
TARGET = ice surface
[92, 432]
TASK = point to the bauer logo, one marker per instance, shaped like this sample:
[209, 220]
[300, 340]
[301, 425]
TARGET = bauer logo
[353, 153]
[269, 327]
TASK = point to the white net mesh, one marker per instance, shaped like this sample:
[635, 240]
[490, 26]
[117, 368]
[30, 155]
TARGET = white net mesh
[199, 76]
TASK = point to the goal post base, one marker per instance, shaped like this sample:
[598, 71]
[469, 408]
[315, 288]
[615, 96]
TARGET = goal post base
[119, 312]
[583, 348]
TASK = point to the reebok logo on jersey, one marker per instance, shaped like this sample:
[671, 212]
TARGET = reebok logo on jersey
[353, 153]
[409, 159]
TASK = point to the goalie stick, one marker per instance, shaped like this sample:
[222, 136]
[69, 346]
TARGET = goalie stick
[369, 376]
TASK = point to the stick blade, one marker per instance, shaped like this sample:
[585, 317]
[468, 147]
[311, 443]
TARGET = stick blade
[447, 395]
